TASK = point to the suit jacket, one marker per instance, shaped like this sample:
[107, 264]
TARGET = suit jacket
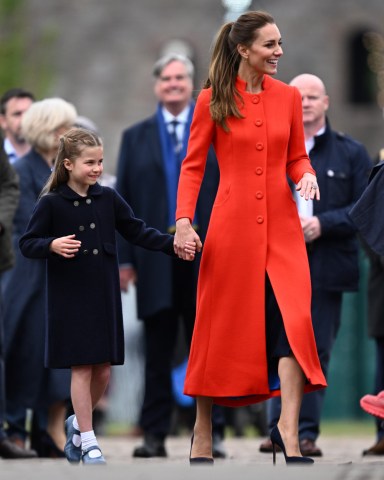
[342, 167]
[142, 183]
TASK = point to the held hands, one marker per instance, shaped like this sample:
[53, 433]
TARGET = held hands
[65, 246]
[186, 241]
[308, 187]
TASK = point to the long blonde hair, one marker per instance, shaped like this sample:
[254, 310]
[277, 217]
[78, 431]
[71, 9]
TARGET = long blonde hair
[225, 63]
[72, 143]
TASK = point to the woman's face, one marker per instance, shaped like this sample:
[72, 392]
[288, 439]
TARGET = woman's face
[264, 53]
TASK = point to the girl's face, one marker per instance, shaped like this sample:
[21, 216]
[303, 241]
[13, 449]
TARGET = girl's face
[264, 53]
[86, 169]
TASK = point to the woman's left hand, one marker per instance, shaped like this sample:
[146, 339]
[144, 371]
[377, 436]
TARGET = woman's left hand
[308, 187]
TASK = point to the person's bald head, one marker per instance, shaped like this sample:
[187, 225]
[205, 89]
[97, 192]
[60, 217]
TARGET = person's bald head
[315, 101]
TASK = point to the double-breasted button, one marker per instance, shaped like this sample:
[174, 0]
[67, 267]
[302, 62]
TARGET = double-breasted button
[95, 251]
[76, 203]
[92, 225]
[258, 123]
[259, 171]
[88, 200]
[259, 195]
[260, 219]
[81, 228]
[256, 99]
[259, 146]
[85, 251]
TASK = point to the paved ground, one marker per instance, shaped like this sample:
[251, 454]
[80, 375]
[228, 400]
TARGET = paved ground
[342, 460]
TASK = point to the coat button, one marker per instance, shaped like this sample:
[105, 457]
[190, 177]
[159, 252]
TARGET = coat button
[81, 228]
[260, 219]
[259, 146]
[85, 252]
[255, 99]
[259, 171]
[92, 225]
[258, 123]
[76, 203]
[259, 195]
[88, 200]
[95, 251]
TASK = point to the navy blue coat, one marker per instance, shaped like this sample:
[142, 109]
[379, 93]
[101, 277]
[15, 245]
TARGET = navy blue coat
[85, 325]
[342, 167]
[142, 183]
[29, 384]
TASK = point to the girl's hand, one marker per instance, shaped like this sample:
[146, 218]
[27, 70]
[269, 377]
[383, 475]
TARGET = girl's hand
[308, 187]
[190, 250]
[65, 246]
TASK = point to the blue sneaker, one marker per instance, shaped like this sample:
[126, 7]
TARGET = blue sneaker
[93, 456]
[72, 453]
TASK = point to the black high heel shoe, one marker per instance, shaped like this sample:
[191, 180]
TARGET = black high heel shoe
[277, 440]
[199, 460]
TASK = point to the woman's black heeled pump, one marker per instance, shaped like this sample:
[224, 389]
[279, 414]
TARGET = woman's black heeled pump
[199, 460]
[277, 440]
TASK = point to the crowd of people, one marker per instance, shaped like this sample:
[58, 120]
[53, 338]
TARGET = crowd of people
[187, 178]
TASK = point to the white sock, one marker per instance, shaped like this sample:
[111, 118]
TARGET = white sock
[88, 439]
[76, 439]
[75, 423]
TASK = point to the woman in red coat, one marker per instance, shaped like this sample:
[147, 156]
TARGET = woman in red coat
[253, 336]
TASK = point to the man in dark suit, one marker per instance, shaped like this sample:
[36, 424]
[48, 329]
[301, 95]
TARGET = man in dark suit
[147, 176]
[342, 166]
[9, 197]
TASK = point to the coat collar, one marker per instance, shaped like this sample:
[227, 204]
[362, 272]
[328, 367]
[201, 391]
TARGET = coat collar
[68, 193]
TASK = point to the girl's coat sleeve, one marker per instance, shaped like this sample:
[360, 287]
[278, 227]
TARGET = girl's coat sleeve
[36, 241]
[135, 231]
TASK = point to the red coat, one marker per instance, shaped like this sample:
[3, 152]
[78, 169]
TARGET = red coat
[254, 228]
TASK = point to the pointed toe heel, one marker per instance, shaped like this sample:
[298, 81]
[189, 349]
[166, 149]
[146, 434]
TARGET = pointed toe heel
[199, 460]
[277, 440]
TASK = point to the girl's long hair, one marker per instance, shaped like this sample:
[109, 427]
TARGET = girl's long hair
[225, 61]
[72, 143]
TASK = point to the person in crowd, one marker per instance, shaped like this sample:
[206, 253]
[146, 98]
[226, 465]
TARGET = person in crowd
[13, 104]
[29, 384]
[342, 166]
[73, 227]
[148, 168]
[375, 314]
[9, 197]
[253, 337]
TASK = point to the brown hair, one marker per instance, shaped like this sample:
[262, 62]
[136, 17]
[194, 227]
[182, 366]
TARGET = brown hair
[225, 63]
[72, 143]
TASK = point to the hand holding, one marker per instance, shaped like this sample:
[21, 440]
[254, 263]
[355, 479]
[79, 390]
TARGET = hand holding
[186, 234]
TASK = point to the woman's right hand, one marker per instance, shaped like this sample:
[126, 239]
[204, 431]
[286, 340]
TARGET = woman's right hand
[185, 233]
[65, 246]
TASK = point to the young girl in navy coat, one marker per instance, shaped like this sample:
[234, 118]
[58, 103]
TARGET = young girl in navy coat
[73, 226]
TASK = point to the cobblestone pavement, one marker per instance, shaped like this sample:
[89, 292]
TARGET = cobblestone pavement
[342, 460]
